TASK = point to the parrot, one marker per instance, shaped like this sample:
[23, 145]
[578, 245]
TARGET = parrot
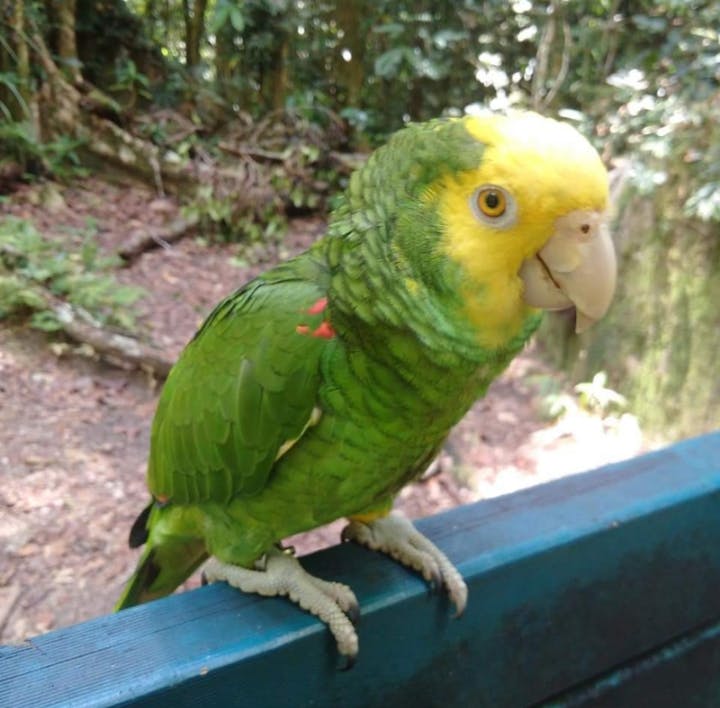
[320, 388]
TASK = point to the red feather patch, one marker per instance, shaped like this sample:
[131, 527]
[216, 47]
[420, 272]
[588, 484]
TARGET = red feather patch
[324, 330]
[318, 307]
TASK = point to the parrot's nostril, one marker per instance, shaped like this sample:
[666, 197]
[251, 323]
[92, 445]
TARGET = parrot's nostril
[585, 228]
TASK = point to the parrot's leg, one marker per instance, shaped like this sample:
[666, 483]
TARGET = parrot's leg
[398, 538]
[280, 573]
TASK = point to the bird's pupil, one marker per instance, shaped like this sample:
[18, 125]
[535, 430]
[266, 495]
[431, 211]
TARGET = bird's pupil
[492, 201]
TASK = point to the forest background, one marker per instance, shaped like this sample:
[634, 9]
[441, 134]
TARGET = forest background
[155, 153]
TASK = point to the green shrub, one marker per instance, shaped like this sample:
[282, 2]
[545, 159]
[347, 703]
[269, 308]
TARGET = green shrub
[35, 273]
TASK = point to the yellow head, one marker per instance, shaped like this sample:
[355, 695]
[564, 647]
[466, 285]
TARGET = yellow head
[526, 226]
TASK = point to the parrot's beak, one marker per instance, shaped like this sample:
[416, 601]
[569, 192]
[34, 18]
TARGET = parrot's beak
[576, 267]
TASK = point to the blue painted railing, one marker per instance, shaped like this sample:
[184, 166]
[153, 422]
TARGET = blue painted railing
[601, 589]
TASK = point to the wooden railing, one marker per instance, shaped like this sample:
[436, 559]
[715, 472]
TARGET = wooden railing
[598, 589]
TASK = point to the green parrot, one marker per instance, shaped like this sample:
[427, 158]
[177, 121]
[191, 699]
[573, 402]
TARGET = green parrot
[322, 387]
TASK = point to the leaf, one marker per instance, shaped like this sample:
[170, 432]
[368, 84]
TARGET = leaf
[16, 294]
[654, 25]
[388, 64]
[394, 29]
[425, 66]
[220, 17]
[46, 321]
[704, 203]
[446, 37]
[237, 18]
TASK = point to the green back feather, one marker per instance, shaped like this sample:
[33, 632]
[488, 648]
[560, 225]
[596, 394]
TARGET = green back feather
[244, 386]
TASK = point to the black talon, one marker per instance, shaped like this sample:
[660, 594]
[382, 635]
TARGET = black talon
[436, 583]
[203, 579]
[349, 662]
[353, 614]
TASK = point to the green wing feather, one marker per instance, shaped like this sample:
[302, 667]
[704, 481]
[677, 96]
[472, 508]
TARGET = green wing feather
[244, 387]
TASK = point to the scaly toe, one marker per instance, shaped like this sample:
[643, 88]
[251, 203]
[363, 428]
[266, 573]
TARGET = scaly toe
[343, 596]
[398, 538]
[281, 574]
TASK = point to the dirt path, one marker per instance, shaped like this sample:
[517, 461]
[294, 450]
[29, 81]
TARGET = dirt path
[74, 431]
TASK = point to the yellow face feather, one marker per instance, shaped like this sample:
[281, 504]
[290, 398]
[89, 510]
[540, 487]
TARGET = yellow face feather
[545, 170]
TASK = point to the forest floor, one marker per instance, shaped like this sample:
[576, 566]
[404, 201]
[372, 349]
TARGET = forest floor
[74, 430]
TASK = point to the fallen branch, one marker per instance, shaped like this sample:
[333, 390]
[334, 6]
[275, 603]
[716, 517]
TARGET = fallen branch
[253, 151]
[345, 161]
[143, 240]
[113, 347]
[175, 125]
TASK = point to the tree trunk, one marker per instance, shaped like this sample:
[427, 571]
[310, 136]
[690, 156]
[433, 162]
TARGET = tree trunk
[224, 49]
[194, 24]
[349, 16]
[15, 58]
[553, 58]
[67, 43]
[275, 77]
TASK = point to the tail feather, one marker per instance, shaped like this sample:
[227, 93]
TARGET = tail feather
[164, 564]
[139, 532]
[160, 570]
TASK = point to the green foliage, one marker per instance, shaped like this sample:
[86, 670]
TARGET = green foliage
[109, 35]
[704, 202]
[300, 175]
[227, 12]
[220, 218]
[62, 157]
[596, 397]
[383, 63]
[36, 272]
[9, 83]
[552, 399]
[22, 149]
[131, 81]
[20, 145]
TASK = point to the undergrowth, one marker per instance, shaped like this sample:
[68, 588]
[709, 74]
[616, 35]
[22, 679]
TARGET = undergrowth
[36, 273]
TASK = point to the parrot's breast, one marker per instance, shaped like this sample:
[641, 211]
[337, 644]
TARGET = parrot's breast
[383, 422]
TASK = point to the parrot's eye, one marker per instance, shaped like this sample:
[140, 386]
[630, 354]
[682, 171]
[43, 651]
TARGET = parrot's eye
[493, 205]
[491, 202]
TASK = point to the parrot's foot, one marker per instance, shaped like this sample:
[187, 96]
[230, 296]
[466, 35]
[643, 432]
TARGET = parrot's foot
[398, 538]
[280, 573]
